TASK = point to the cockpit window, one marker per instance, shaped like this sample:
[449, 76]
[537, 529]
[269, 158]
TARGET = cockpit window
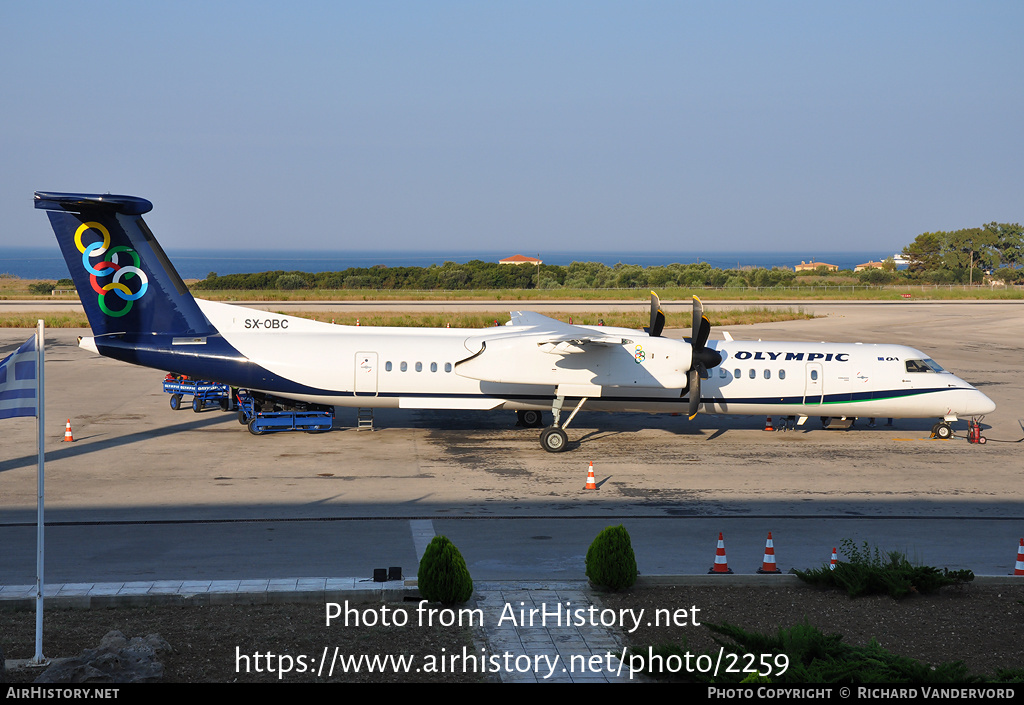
[926, 365]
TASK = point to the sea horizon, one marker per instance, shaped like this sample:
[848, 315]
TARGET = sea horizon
[47, 263]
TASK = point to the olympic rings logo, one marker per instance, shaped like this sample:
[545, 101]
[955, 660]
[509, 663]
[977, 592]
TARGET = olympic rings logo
[638, 354]
[114, 266]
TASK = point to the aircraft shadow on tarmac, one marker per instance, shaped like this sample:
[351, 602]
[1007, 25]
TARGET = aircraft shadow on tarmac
[96, 443]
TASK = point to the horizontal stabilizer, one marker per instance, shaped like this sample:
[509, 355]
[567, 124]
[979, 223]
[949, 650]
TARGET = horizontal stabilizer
[83, 202]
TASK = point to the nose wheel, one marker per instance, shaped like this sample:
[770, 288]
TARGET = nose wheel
[942, 430]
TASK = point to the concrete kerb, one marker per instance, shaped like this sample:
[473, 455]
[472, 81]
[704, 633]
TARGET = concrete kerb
[204, 593]
[322, 590]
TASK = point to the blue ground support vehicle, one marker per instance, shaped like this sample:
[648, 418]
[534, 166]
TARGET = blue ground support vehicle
[205, 394]
[266, 414]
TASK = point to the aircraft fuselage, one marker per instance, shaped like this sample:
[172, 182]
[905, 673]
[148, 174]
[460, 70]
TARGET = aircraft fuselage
[353, 366]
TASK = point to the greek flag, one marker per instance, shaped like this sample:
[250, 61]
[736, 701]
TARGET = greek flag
[18, 375]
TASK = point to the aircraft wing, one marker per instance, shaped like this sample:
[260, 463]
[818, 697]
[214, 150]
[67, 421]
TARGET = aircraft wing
[556, 337]
[533, 319]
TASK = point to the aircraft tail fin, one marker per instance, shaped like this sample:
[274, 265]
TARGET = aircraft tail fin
[125, 281]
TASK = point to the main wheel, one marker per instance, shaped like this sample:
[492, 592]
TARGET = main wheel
[553, 439]
[175, 401]
[944, 431]
[530, 418]
[253, 429]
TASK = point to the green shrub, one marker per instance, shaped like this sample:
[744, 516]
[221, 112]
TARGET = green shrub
[41, 287]
[443, 576]
[800, 654]
[610, 560]
[287, 281]
[867, 572]
[816, 657]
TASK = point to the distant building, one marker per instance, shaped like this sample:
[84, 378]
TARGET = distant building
[520, 259]
[812, 265]
[869, 265]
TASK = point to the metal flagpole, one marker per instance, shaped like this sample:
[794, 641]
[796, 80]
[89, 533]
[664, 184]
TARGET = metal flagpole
[40, 499]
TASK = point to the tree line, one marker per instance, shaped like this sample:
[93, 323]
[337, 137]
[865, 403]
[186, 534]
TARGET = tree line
[995, 250]
[478, 274]
[966, 255]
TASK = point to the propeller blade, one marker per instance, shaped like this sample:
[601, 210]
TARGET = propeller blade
[698, 314]
[694, 392]
[701, 333]
[657, 317]
[704, 358]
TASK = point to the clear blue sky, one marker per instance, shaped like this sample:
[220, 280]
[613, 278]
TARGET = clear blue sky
[519, 126]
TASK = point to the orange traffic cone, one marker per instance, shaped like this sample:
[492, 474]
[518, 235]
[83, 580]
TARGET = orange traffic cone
[768, 424]
[591, 482]
[832, 565]
[68, 438]
[768, 564]
[721, 565]
[1019, 568]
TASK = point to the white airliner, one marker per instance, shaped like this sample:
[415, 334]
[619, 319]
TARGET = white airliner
[141, 312]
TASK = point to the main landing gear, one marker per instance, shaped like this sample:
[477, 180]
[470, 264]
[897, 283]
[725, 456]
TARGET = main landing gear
[529, 418]
[553, 439]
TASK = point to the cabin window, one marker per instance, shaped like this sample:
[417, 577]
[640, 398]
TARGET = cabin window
[722, 373]
[814, 374]
[433, 367]
[753, 373]
[447, 367]
[419, 366]
[767, 374]
[387, 366]
[782, 374]
[738, 374]
[404, 366]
